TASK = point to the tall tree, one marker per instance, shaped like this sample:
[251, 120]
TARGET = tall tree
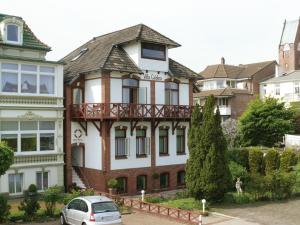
[265, 122]
[6, 157]
[208, 174]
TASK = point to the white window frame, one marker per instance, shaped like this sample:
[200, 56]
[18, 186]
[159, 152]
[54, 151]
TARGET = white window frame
[38, 74]
[42, 176]
[277, 89]
[296, 88]
[38, 133]
[15, 186]
[20, 34]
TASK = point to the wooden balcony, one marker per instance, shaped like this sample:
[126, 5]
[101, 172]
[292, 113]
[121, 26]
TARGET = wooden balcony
[117, 111]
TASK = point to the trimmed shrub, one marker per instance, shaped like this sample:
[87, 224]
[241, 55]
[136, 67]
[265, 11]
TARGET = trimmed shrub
[235, 198]
[239, 156]
[237, 171]
[257, 186]
[112, 183]
[256, 161]
[30, 204]
[287, 160]
[271, 161]
[69, 196]
[4, 208]
[51, 196]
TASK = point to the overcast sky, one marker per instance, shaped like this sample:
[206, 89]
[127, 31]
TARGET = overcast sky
[243, 31]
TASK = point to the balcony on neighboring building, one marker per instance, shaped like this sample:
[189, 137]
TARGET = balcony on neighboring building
[225, 110]
[116, 111]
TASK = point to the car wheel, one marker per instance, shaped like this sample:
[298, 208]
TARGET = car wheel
[62, 220]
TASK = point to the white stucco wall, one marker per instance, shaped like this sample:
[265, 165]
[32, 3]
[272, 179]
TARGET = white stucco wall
[133, 50]
[159, 93]
[146, 84]
[93, 152]
[132, 161]
[116, 90]
[93, 91]
[183, 94]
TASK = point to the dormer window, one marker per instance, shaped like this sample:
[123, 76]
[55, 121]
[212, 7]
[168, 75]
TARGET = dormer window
[12, 33]
[153, 51]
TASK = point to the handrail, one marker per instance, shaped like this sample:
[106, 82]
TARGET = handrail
[124, 110]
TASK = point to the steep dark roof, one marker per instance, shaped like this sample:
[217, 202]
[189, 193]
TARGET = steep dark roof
[222, 92]
[29, 39]
[178, 70]
[234, 72]
[106, 52]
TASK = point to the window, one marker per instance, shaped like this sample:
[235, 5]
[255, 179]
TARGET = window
[130, 91]
[74, 204]
[153, 51]
[82, 206]
[220, 84]
[223, 102]
[180, 140]
[171, 93]
[164, 180]
[231, 83]
[277, 89]
[15, 183]
[77, 96]
[181, 178]
[297, 88]
[81, 53]
[28, 136]
[12, 33]
[163, 141]
[30, 79]
[141, 182]
[101, 207]
[121, 142]
[141, 142]
[42, 180]
[122, 185]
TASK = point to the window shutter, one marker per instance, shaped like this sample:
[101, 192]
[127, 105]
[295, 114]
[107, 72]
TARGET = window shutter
[142, 92]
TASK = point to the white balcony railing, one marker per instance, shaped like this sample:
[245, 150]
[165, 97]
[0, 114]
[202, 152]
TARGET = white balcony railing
[225, 110]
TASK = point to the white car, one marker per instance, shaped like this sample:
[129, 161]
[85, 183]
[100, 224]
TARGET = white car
[91, 210]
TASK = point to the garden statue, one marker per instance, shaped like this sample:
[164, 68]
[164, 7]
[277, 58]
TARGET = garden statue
[238, 186]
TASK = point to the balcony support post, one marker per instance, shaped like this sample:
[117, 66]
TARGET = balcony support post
[98, 127]
[133, 125]
[83, 127]
[174, 126]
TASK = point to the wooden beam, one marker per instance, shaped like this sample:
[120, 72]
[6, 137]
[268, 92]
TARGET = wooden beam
[133, 126]
[174, 126]
[97, 127]
[83, 127]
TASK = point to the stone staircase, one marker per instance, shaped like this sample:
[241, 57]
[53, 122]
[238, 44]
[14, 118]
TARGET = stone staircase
[76, 179]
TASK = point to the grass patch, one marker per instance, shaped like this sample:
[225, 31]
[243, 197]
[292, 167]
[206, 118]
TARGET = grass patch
[184, 203]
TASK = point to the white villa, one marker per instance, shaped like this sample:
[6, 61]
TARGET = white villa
[31, 109]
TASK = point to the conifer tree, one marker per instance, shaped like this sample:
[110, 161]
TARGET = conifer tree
[207, 172]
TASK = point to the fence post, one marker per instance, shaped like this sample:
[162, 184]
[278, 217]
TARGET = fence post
[200, 220]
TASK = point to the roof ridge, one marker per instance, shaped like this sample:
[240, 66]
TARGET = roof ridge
[102, 35]
[183, 66]
[107, 56]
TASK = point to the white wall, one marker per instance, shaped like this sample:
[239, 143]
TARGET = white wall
[159, 93]
[93, 151]
[116, 90]
[146, 84]
[132, 161]
[183, 94]
[133, 50]
[172, 158]
[93, 91]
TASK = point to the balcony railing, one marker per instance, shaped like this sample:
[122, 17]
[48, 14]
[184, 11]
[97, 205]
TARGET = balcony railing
[38, 159]
[122, 110]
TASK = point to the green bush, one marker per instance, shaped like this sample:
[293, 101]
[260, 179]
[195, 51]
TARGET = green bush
[239, 156]
[185, 204]
[4, 209]
[112, 183]
[51, 196]
[256, 161]
[237, 171]
[30, 204]
[287, 160]
[182, 194]
[235, 198]
[16, 216]
[69, 196]
[271, 161]
[256, 186]
[154, 199]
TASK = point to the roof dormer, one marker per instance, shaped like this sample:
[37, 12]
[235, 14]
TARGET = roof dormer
[12, 30]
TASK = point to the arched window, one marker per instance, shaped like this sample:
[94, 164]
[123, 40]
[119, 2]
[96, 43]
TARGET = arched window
[171, 93]
[130, 91]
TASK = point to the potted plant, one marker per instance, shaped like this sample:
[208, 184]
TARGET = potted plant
[112, 185]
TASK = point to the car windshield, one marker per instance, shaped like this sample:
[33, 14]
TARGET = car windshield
[101, 207]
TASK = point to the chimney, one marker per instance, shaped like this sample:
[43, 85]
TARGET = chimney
[223, 60]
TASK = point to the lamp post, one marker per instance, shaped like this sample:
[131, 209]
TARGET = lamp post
[203, 205]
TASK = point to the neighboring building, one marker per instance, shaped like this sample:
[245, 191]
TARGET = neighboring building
[233, 86]
[285, 86]
[128, 112]
[31, 109]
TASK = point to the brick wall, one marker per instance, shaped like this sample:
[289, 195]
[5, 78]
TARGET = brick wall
[239, 104]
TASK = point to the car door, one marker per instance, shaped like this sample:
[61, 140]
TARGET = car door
[71, 211]
[81, 210]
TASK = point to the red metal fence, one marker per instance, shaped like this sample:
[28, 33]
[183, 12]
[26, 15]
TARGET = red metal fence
[122, 110]
[173, 213]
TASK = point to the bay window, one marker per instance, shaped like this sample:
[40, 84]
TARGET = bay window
[28, 136]
[171, 93]
[27, 79]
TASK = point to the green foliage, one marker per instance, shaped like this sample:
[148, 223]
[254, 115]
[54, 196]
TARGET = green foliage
[51, 196]
[185, 204]
[112, 183]
[233, 197]
[6, 157]
[287, 160]
[256, 161]
[240, 156]
[256, 186]
[265, 122]
[155, 176]
[207, 171]
[30, 204]
[4, 209]
[154, 199]
[271, 161]
[231, 132]
[237, 171]
[74, 193]
[16, 216]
